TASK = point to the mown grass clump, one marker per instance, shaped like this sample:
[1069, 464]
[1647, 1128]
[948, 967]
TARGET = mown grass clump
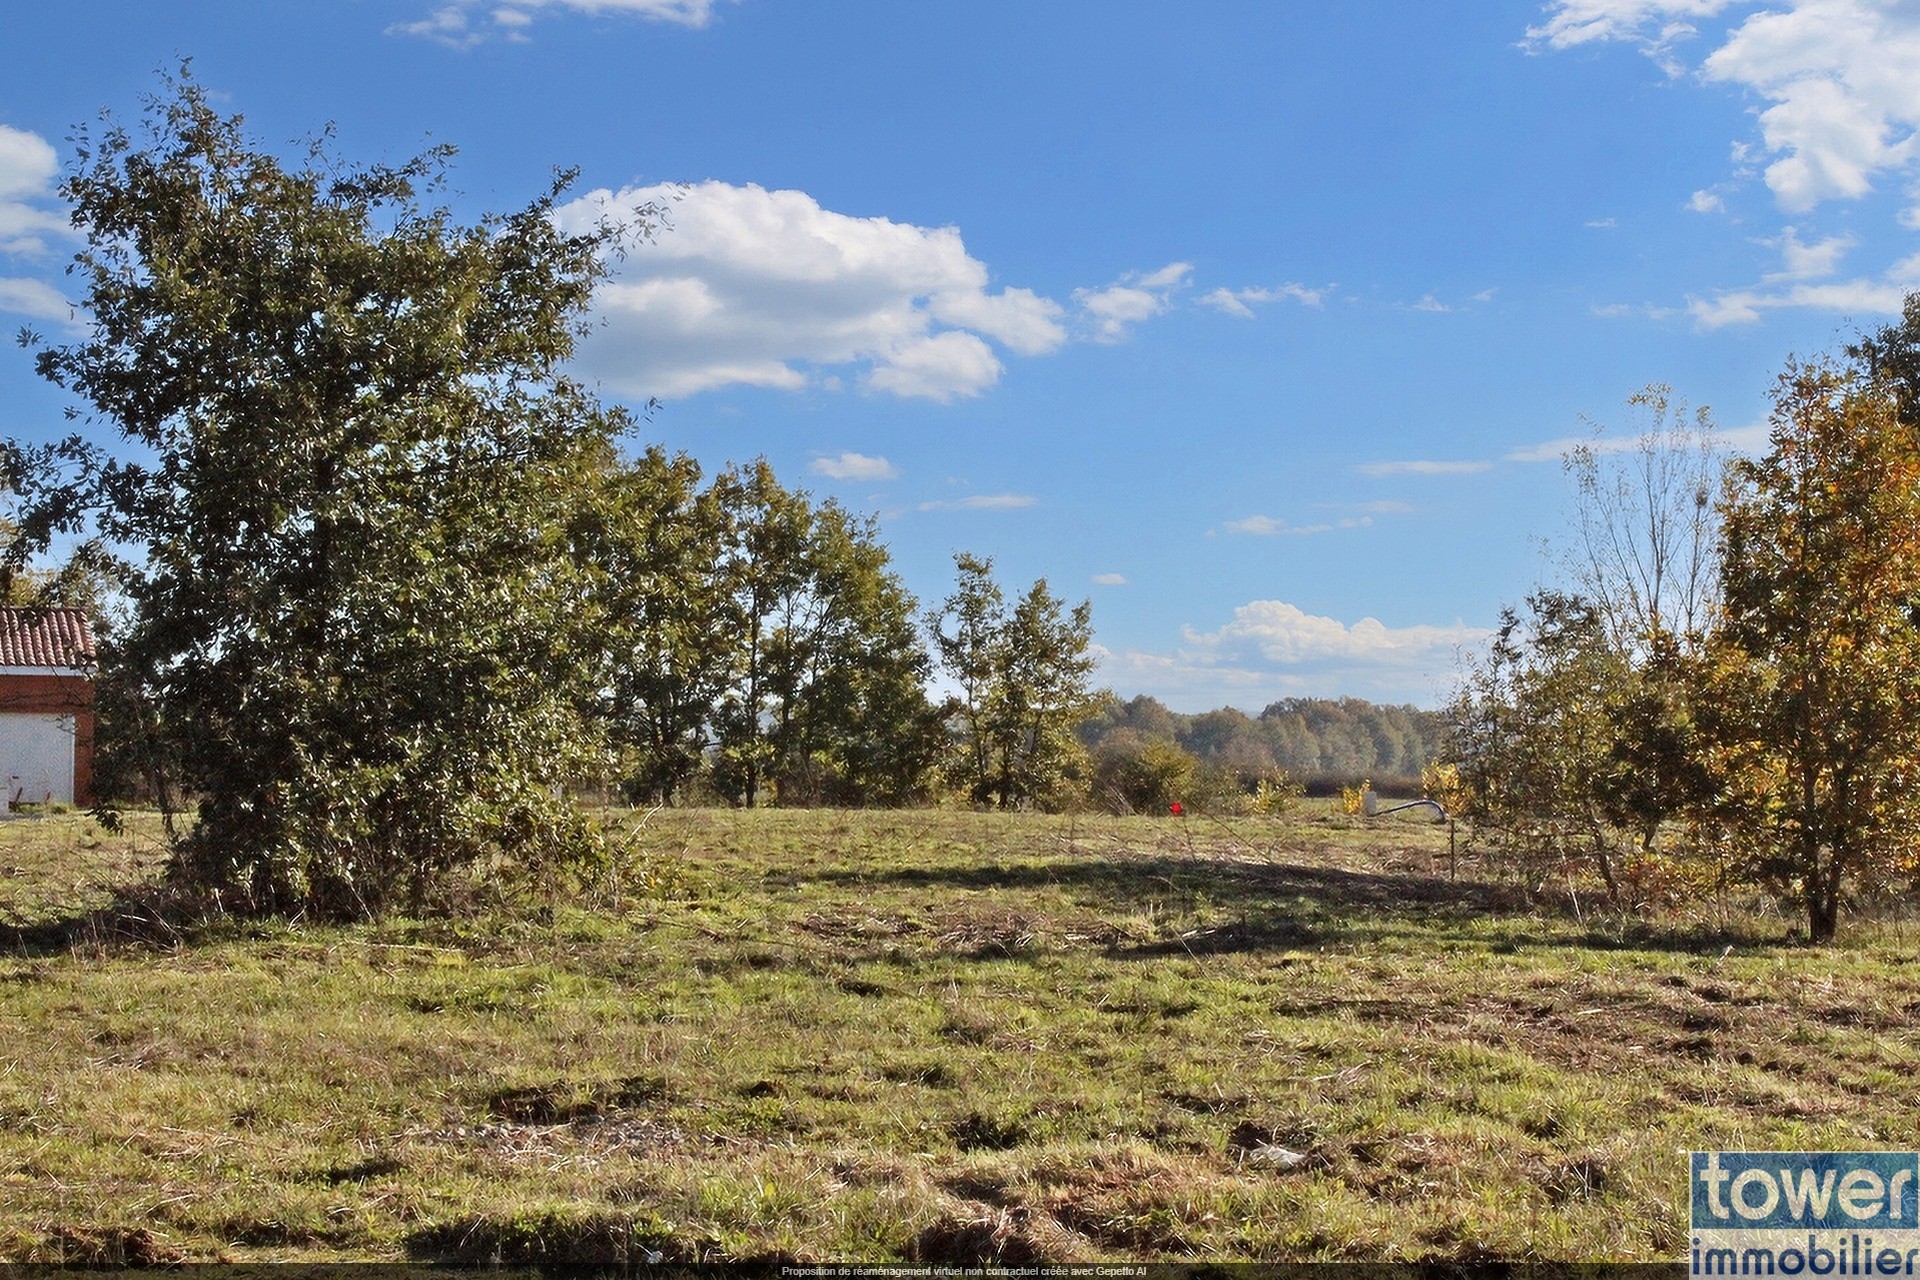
[934, 1036]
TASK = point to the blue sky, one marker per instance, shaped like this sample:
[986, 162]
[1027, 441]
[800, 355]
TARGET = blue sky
[1256, 323]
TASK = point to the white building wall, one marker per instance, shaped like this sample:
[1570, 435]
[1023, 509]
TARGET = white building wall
[36, 755]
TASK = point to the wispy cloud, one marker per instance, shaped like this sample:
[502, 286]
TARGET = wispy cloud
[1851, 297]
[1108, 314]
[1807, 261]
[1422, 467]
[983, 502]
[1241, 302]
[853, 466]
[460, 25]
[1109, 579]
[1556, 450]
[1268, 527]
[35, 299]
[30, 218]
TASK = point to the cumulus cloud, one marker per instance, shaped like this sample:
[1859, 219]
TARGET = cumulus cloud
[1241, 302]
[1421, 467]
[28, 167]
[767, 288]
[1838, 74]
[1272, 649]
[458, 26]
[983, 502]
[853, 466]
[1108, 314]
[1839, 117]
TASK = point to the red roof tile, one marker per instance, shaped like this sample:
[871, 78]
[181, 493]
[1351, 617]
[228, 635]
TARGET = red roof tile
[45, 638]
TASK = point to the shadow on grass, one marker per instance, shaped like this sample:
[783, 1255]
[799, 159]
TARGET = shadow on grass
[143, 916]
[1286, 906]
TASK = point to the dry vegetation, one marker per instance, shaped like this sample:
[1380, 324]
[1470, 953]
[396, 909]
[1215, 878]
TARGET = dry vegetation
[925, 1035]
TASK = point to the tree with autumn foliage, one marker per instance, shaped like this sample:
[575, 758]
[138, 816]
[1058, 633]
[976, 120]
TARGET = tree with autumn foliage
[1815, 663]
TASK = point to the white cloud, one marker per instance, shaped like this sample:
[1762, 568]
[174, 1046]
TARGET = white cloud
[447, 25]
[938, 368]
[1272, 649]
[1268, 527]
[34, 298]
[853, 466]
[1016, 318]
[983, 502]
[766, 288]
[1839, 84]
[453, 24]
[1655, 24]
[1603, 224]
[1241, 302]
[28, 167]
[1109, 579]
[1421, 467]
[1557, 450]
[1807, 261]
[1429, 303]
[1839, 74]
[1850, 297]
[1109, 314]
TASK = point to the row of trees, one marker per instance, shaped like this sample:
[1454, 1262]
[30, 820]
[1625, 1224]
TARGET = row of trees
[386, 582]
[1321, 742]
[1725, 691]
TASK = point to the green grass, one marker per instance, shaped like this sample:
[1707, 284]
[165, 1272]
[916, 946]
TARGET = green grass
[941, 1036]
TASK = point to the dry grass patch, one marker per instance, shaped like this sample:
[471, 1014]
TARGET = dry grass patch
[947, 1037]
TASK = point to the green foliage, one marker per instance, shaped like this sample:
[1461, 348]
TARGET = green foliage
[825, 695]
[351, 454]
[650, 540]
[1133, 773]
[1274, 796]
[1023, 677]
[1568, 755]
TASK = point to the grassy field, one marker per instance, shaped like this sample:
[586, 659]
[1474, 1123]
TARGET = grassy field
[939, 1036]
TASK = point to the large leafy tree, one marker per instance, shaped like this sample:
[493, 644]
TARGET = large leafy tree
[652, 542]
[826, 701]
[851, 721]
[349, 449]
[1024, 679]
[1817, 658]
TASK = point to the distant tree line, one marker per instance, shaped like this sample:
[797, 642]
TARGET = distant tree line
[1320, 745]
